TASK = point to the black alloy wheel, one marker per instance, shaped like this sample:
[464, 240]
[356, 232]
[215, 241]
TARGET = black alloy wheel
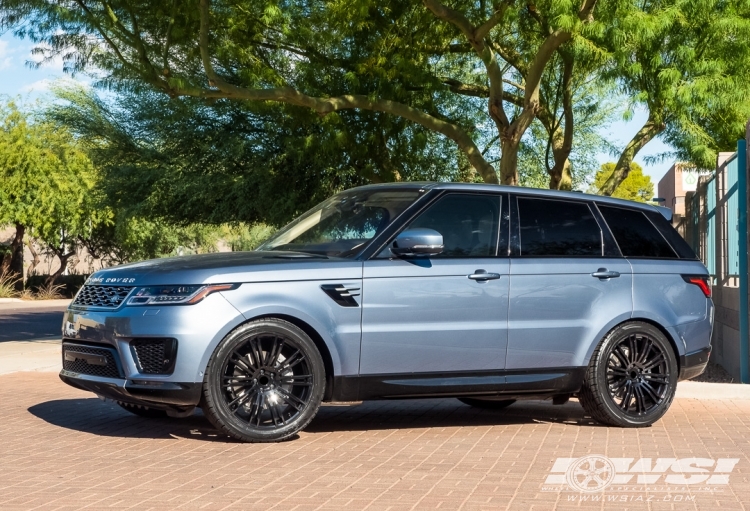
[632, 377]
[265, 382]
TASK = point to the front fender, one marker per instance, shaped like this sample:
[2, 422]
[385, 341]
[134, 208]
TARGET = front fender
[338, 326]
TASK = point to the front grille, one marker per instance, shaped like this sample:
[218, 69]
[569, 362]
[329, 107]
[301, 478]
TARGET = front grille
[102, 296]
[83, 359]
[154, 356]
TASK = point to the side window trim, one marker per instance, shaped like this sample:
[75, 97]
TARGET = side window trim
[609, 243]
[515, 217]
[502, 197]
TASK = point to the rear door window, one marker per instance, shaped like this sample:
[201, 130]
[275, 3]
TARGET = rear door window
[558, 228]
[635, 234]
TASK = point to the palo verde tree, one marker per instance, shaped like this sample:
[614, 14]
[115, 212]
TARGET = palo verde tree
[395, 57]
[47, 188]
[685, 62]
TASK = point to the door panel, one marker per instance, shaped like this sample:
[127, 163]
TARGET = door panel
[557, 308]
[427, 315]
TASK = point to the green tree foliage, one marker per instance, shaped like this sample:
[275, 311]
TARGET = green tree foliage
[444, 69]
[636, 187]
[183, 161]
[48, 187]
[685, 62]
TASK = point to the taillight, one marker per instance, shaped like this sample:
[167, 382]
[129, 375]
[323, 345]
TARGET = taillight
[701, 281]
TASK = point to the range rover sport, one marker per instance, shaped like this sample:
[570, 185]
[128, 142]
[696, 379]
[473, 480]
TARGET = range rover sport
[485, 293]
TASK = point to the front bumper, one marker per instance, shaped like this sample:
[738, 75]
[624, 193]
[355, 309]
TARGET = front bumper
[195, 329]
[154, 394]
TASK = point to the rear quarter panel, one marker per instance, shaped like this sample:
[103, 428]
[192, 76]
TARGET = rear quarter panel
[661, 295]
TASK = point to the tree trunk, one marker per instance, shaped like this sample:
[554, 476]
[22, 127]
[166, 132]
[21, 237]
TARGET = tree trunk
[509, 161]
[15, 268]
[63, 264]
[650, 129]
[560, 175]
[34, 254]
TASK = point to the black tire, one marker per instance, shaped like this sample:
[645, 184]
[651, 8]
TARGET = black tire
[143, 411]
[264, 382]
[631, 378]
[487, 403]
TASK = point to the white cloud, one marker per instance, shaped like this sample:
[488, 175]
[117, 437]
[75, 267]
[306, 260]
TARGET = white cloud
[5, 58]
[37, 86]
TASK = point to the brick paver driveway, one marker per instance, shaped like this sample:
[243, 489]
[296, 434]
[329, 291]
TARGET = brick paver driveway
[64, 449]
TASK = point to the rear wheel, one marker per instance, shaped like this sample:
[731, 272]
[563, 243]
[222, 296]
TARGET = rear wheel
[264, 382]
[487, 403]
[632, 377]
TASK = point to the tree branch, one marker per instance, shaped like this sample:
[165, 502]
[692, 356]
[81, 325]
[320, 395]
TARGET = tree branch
[327, 105]
[652, 127]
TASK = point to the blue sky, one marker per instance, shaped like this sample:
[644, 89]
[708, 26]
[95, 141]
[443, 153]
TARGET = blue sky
[17, 78]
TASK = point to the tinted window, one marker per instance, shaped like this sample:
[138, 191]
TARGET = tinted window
[343, 225]
[558, 228]
[673, 237]
[634, 233]
[468, 223]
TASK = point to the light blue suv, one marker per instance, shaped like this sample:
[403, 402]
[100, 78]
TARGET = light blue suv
[485, 293]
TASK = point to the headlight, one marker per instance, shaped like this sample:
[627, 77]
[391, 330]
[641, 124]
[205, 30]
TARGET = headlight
[175, 295]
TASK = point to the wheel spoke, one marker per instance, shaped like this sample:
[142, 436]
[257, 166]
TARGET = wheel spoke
[654, 362]
[273, 355]
[301, 380]
[257, 350]
[640, 401]
[651, 393]
[291, 399]
[275, 414]
[648, 345]
[239, 362]
[625, 404]
[656, 378]
[618, 353]
[257, 408]
[293, 360]
[617, 370]
[241, 400]
[633, 351]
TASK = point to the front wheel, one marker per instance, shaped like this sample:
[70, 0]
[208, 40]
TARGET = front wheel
[264, 382]
[632, 377]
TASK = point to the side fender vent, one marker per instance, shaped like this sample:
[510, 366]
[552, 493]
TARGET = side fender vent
[342, 294]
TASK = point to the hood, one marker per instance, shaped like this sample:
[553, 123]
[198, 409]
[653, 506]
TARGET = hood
[229, 267]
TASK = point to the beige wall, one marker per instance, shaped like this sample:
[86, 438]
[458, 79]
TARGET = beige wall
[671, 189]
[82, 263]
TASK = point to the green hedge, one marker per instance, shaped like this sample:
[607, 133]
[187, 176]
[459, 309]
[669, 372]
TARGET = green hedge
[72, 283]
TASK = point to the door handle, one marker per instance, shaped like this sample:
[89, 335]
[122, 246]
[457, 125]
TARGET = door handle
[482, 275]
[603, 273]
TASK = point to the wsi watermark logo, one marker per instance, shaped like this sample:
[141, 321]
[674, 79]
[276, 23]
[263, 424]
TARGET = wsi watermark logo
[595, 473]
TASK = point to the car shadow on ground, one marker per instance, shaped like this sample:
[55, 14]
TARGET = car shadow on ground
[91, 415]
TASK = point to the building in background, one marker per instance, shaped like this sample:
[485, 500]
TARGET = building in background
[680, 180]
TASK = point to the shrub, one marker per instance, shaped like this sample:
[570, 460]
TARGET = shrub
[68, 284]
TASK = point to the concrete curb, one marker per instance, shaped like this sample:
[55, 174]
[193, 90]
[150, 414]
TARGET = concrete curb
[10, 300]
[712, 391]
[32, 304]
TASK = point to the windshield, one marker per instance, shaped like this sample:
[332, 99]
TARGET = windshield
[342, 225]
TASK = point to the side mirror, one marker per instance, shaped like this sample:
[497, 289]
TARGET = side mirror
[417, 242]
